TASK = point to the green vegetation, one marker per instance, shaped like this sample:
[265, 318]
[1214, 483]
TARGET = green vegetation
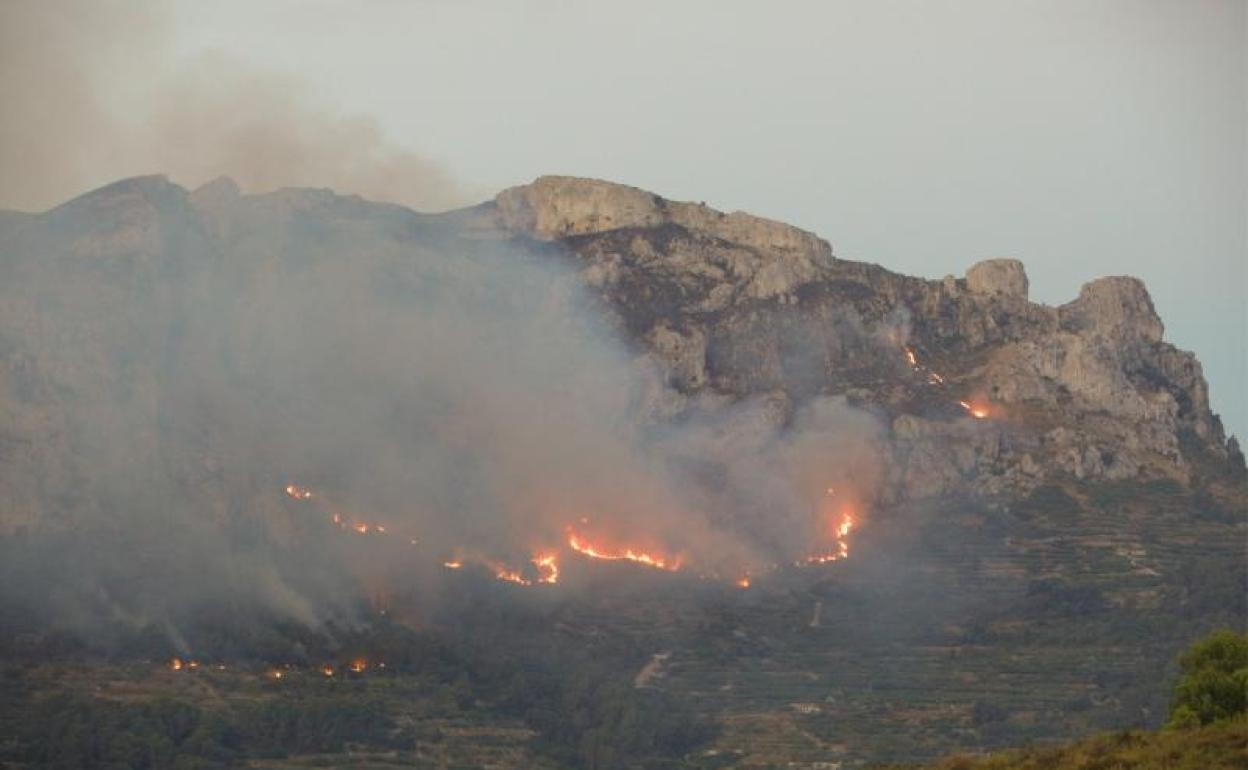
[76, 731]
[1223, 746]
[973, 625]
[432, 705]
[1214, 683]
[1207, 729]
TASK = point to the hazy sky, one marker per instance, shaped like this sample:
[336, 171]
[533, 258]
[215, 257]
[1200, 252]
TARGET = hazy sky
[1084, 137]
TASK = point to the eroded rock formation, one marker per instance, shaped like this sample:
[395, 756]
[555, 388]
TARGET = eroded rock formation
[731, 305]
[719, 307]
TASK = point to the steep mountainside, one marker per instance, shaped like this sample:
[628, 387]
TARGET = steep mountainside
[1048, 509]
[732, 305]
[726, 306]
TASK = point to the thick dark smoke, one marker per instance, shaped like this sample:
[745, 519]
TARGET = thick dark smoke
[91, 94]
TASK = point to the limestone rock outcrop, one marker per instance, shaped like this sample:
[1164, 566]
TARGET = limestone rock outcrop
[998, 276]
[769, 258]
[729, 305]
[717, 309]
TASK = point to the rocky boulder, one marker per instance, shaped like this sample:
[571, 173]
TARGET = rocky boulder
[1006, 277]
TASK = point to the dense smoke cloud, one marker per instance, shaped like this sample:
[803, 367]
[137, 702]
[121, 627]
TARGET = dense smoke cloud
[176, 374]
[91, 95]
[469, 395]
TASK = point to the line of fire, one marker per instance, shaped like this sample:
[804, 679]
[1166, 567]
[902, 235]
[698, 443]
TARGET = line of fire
[839, 520]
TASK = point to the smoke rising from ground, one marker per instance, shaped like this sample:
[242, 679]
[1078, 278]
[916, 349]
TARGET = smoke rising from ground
[466, 394]
[91, 95]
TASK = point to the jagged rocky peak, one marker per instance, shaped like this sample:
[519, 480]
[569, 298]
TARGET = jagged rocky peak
[734, 254]
[723, 310]
[1117, 306]
[730, 306]
[998, 276]
[561, 206]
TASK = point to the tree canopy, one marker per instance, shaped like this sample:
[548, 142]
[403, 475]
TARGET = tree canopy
[1214, 682]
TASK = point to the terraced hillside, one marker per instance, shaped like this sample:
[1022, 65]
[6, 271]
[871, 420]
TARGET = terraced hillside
[253, 429]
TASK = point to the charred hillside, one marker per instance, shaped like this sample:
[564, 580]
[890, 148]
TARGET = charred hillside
[841, 513]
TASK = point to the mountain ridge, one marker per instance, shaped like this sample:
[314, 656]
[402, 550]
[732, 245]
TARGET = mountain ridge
[726, 307]
[233, 425]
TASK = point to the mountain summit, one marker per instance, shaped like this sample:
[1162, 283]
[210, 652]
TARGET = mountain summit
[882, 515]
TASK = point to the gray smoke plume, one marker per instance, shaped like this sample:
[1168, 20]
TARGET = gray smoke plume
[179, 360]
[91, 94]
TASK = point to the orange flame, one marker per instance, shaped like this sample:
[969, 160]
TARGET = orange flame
[358, 665]
[175, 664]
[842, 531]
[510, 576]
[547, 567]
[585, 548]
[453, 564]
[327, 670]
[298, 492]
[976, 411]
[744, 582]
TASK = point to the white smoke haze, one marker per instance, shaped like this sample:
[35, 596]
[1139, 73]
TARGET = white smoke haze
[471, 396]
[82, 108]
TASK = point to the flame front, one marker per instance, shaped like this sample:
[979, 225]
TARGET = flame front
[842, 531]
[978, 411]
[298, 492]
[585, 548]
[510, 576]
[547, 568]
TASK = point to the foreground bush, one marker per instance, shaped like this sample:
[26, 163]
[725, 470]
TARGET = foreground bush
[1214, 681]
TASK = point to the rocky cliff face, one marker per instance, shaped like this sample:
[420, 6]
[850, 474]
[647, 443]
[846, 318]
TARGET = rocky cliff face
[978, 389]
[1057, 511]
[730, 305]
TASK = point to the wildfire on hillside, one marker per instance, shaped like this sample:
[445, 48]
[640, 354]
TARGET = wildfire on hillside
[843, 528]
[509, 575]
[845, 520]
[584, 547]
[544, 569]
[547, 567]
[977, 410]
